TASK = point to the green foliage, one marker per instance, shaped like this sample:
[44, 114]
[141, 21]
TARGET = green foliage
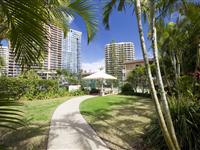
[2, 62]
[185, 84]
[127, 89]
[185, 114]
[32, 88]
[11, 88]
[10, 115]
[76, 93]
[41, 89]
[66, 76]
[138, 79]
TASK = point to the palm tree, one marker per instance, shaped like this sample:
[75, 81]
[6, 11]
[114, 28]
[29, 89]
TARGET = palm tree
[178, 42]
[167, 128]
[23, 23]
[168, 118]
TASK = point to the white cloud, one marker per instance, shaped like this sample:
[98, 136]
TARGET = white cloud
[94, 66]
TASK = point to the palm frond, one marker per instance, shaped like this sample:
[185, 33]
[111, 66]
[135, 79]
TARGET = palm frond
[58, 16]
[85, 9]
[27, 32]
[110, 5]
[107, 10]
[121, 5]
[10, 116]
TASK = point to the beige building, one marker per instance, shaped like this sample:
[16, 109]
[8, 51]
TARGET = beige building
[131, 65]
[116, 54]
[52, 60]
[54, 49]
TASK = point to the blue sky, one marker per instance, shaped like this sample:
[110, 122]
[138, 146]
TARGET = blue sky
[123, 28]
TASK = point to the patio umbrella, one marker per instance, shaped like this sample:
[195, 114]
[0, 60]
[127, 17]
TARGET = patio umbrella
[100, 76]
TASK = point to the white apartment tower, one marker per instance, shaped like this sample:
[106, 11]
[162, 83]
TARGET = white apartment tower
[4, 53]
[116, 54]
[71, 46]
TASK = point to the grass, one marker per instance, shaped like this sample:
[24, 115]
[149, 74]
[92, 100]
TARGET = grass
[119, 120]
[33, 136]
[41, 110]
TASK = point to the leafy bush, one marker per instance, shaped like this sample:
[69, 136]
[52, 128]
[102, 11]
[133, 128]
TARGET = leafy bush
[142, 94]
[127, 89]
[41, 89]
[185, 84]
[32, 88]
[186, 119]
[76, 93]
[11, 88]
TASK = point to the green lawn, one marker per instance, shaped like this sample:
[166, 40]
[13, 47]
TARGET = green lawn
[34, 135]
[119, 120]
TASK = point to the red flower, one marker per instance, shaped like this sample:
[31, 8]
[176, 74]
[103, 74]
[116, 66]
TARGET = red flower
[197, 75]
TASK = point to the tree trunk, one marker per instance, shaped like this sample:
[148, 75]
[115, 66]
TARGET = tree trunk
[174, 62]
[198, 58]
[168, 118]
[153, 91]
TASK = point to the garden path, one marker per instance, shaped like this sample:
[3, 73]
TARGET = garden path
[70, 131]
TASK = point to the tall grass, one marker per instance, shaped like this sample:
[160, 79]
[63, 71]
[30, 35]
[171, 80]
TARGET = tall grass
[186, 119]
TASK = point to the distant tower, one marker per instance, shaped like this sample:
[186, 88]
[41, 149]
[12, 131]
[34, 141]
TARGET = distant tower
[54, 49]
[115, 55]
[4, 53]
[52, 59]
[71, 47]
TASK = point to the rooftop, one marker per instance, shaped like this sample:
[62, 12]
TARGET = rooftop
[137, 61]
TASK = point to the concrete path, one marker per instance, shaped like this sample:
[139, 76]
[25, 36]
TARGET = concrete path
[70, 131]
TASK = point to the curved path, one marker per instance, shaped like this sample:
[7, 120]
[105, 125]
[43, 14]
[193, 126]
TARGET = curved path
[70, 131]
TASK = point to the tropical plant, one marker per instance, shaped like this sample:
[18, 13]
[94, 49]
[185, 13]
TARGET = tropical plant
[186, 119]
[178, 43]
[10, 114]
[127, 89]
[10, 91]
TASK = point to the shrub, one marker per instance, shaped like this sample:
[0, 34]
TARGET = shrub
[32, 88]
[41, 89]
[127, 89]
[185, 84]
[76, 93]
[186, 119]
[11, 88]
[142, 94]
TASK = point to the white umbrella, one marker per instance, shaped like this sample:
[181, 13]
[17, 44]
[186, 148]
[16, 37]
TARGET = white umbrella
[100, 76]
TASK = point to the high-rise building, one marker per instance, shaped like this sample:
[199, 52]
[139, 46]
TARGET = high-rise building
[54, 49]
[52, 60]
[71, 47]
[116, 54]
[4, 53]
[60, 53]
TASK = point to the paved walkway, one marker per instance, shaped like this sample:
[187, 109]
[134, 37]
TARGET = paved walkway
[70, 131]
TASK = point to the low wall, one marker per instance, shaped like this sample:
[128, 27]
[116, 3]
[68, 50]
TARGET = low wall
[74, 87]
